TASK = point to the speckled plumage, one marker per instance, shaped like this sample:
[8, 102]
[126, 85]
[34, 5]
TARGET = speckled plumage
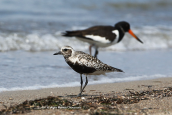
[90, 63]
[84, 63]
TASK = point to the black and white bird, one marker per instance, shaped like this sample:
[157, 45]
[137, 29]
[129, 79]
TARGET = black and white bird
[84, 64]
[102, 36]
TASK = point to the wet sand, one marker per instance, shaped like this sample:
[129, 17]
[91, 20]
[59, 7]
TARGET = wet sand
[156, 106]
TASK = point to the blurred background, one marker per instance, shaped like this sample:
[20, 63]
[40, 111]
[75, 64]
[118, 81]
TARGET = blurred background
[30, 32]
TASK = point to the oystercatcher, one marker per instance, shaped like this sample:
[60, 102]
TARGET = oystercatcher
[102, 36]
[84, 63]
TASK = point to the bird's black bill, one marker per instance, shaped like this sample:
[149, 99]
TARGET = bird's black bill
[58, 53]
[131, 32]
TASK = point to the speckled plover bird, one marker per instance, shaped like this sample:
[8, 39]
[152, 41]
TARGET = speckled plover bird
[102, 36]
[84, 64]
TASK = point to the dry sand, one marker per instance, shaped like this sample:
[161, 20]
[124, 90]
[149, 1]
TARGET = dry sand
[153, 106]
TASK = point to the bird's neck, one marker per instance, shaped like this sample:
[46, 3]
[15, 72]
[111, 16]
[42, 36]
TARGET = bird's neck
[121, 33]
[66, 57]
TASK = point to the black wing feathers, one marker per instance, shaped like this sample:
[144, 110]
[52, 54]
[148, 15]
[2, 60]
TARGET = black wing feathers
[103, 31]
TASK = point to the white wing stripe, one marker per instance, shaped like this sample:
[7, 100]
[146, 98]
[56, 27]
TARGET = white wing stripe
[98, 38]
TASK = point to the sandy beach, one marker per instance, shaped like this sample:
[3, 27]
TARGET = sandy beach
[33, 81]
[154, 105]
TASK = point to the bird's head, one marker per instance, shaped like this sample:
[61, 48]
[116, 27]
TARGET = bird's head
[125, 27]
[66, 51]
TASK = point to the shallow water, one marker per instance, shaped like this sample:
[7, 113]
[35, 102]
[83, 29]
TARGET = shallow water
[29, 35]
[34, 70]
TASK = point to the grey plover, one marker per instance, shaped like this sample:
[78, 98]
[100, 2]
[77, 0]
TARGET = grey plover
[84, 64]
[102, 36]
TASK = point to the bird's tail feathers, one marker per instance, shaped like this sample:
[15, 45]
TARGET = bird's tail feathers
[70, 33]
[113, 69]
[117, 70]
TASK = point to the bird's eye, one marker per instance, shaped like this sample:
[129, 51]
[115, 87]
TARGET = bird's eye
[65, 50]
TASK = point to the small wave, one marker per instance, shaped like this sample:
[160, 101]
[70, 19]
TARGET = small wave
[153, 38]
[35, 87]
[142, 5]
[73, 84]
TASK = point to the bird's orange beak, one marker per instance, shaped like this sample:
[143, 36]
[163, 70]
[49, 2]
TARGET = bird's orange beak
[131, 32]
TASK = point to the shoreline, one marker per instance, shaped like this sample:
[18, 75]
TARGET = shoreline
[9, 98]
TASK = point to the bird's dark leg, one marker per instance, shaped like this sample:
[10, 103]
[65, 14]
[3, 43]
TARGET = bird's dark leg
[90, 48]
[81, 86]
[96, 52]
[86, 82]
[81, 83]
